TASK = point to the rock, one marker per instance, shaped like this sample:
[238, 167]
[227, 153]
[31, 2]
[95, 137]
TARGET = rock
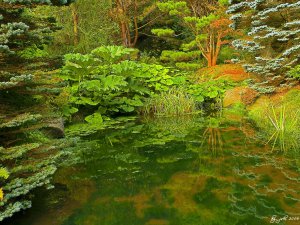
[54, 128]
[249, 95]
[238, 95]
[232, 97]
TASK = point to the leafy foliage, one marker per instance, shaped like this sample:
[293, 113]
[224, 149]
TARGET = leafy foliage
[107, 82]
[295, 72]
[163, 32]
[209, 89]
[33, 52]
[4, 173]
[95, 28]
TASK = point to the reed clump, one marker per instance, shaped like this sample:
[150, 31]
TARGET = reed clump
[174, 102]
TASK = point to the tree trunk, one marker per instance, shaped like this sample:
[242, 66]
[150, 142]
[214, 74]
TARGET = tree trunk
[75, 24]
[217, 50]
[214, 62]
[123, 34]
[209, 57]
[136, 31]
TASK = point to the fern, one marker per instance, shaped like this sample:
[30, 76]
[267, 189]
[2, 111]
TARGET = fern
[4, 172]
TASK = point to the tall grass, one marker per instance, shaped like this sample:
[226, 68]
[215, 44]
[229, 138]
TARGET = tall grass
[284, 127]
[171, 103]
[277, 117]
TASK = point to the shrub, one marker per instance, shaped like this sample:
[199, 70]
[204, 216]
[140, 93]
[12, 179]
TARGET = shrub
[106, 82]
[295, 72]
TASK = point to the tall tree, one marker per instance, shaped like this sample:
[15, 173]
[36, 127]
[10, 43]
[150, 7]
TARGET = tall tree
[272, 42]
[75, 23]
[85, 25]
[128, 14]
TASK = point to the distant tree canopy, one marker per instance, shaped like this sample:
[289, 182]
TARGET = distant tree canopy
[272, 39]
[85, 27]
[19, 30]
[206, 22]
[129, 16]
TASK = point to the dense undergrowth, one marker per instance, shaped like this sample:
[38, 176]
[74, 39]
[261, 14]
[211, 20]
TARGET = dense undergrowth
[108, 83]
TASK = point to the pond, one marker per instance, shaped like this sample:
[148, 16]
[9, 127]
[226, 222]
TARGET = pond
[171, 171]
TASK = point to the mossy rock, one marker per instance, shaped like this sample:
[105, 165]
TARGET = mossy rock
[240, 95]
[54, 128]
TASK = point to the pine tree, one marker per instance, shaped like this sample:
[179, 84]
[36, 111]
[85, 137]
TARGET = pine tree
[207, 25]
[25, 153]
[272, 44]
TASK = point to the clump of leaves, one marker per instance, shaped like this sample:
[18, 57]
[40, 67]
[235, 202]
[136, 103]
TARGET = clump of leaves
[295, 72]
[33, 52]
[211, 90]
[3, 174]
[106, 82]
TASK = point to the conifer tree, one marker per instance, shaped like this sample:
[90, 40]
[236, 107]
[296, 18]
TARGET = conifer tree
[27, 159]
[207, 25]
[272, 44]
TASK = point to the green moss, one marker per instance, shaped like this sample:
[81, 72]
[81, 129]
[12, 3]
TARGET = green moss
[236, 109]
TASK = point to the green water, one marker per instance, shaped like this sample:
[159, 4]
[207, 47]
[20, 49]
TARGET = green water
[183, 171]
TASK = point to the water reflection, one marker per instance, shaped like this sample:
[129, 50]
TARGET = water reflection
[183, 171]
